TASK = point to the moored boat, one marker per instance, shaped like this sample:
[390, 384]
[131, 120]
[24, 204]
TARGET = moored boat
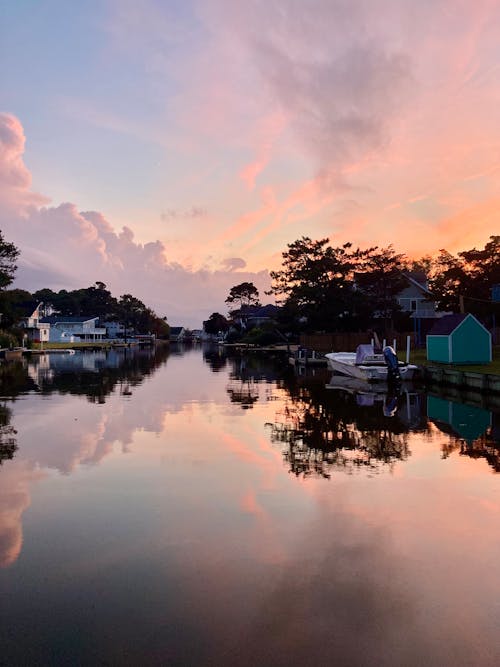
[366, 364]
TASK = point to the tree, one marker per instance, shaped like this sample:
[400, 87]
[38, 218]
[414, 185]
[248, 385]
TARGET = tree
[98, 301]
[448, 281]
[134, 313]
[244, 296]
[380, 278]
[8, 256]
[483, 268]
[315, 283]
[466, 278]
[215, 324]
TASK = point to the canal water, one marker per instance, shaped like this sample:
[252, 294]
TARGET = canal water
[193, 508]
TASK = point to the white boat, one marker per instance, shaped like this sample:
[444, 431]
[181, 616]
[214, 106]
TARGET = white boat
[366, 364]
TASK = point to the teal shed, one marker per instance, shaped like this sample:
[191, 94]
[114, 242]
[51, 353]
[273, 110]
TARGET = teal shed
[459, 339]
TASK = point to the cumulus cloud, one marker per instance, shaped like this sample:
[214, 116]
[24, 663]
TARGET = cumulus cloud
[64, 248]
[15, 178]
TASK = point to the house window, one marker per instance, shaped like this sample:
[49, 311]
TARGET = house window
[413, 305]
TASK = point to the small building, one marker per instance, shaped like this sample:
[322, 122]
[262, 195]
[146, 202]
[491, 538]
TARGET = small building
[68, 329]
[459, 339]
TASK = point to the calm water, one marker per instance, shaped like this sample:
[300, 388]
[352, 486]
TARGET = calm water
[194, 509]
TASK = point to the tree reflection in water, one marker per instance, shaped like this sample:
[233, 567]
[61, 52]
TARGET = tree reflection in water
[250, 377]
[8, 441]
[95, 374]
[326, 429]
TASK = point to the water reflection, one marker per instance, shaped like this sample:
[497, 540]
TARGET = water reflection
[339, 425]
[329, 421]
[8, 441]
[94, 374]
[473, 430]
[155, 511]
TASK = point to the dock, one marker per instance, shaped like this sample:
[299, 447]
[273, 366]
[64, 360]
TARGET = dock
[460, 379]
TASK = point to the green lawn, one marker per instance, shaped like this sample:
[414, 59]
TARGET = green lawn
[68, 346]
[419, 357]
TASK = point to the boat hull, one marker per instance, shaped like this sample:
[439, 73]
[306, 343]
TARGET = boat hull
[344, 363]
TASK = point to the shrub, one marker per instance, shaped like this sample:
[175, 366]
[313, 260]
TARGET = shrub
[7, 339]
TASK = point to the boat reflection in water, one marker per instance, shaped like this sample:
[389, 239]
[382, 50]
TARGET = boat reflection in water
[148, 499]
[345, 424]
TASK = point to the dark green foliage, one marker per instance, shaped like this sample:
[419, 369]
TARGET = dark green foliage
[263, 335]
[216, 323]
[8, 256]
[242, 296]
[316, 283]
[8, 339]
[379, 279]
[470, 274]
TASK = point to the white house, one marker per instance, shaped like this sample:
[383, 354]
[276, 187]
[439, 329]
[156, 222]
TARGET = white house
[67, 329]
[36, 330]
[416, 297]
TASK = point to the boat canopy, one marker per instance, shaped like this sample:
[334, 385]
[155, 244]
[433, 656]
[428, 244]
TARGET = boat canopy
[362, 352]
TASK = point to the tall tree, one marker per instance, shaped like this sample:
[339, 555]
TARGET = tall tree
[380, 278]
[316, 283]
[483, 268]
[8, 256]
[243, 296]
[215, 324]
[448, 281]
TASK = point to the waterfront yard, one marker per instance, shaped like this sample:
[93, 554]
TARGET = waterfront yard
[419, 357]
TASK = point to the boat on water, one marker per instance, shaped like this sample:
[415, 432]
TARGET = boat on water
[366, 364]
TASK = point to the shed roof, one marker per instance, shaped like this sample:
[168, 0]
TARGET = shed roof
[447, 324]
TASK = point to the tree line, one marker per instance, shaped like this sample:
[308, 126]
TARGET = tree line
[95, 301]
[321, 287]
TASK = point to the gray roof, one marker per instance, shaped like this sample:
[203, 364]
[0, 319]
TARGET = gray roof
[447, 324]
[67, 319]
[417, 278]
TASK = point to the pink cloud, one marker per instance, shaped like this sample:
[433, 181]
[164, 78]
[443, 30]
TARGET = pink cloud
[64, 248]
[17, 478]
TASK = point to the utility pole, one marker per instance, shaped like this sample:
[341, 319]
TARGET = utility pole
[462, 307]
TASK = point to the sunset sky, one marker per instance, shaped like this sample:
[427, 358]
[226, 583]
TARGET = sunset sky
[172, 148]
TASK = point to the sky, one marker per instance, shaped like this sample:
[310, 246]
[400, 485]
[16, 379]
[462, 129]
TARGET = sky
[172, 149]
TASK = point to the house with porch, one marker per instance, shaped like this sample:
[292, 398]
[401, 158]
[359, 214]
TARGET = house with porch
[69, 329]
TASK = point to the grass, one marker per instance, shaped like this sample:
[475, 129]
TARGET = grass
[419, 357]
[68, 346]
